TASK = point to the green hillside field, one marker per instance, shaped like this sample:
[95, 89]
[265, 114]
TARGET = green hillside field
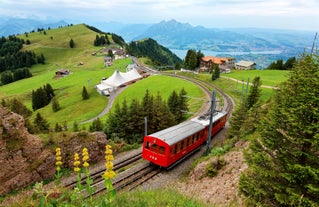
[68, 90]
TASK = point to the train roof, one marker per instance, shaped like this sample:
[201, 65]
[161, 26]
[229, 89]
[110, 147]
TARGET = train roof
[204, 119]
[178, 132]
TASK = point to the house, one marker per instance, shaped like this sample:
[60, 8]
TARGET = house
[62, 72]
[245, 65]
[108, 61]
[224, 63]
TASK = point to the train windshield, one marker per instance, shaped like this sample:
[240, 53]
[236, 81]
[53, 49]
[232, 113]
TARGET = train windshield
[155, 148]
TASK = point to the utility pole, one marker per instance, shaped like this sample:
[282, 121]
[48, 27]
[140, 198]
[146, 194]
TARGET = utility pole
[212, 110]
[145, 125]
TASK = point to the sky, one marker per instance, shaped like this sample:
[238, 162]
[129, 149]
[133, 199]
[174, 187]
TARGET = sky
[276, 14]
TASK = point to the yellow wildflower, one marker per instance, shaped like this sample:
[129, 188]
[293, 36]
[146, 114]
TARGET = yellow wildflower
[76, 163]
[109, 173]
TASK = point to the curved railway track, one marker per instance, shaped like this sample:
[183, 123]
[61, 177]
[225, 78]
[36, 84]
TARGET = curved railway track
[141, 172]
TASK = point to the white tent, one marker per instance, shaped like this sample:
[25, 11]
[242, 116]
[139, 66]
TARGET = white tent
[116, 80]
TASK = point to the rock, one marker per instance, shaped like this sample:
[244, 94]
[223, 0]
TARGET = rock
[24, 159]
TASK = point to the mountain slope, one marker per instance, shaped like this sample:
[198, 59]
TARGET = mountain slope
[173, 34]
[149, 48]
[14, 26]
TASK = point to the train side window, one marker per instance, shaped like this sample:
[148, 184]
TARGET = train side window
[182, 144]
[178, 147]
[175, 148]
[186, 142]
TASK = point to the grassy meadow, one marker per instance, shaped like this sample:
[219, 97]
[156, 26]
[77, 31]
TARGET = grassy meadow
[55, 47]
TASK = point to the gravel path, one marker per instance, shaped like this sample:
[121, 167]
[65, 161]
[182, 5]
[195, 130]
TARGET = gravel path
[108, 106]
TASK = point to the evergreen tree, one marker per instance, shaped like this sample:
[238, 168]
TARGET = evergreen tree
[182, 106]
[18, 107]
[191, 61]
[254, 92]
[215, 71]
[41, 124]
[49, 91]
[71, 43]
[96, 125]
[6, 77]
[135, 120]
[199, 56]
[85, 94]
[58, 127]
[75, 126]
[55, 104]
[148, 110]
[173, 104]
[283, 160]
[39, 99]
[289, 63]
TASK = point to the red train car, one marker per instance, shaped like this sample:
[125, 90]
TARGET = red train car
[165, 148]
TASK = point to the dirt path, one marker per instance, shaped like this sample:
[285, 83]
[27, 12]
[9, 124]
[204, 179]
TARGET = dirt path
[108, 106]
[263, 86]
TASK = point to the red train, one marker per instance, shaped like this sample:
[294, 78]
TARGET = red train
[165, 148]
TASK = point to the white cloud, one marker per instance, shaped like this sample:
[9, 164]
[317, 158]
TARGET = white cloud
[198, 12]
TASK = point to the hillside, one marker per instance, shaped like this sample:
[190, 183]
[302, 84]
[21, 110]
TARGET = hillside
[55, 47]
[149, 48]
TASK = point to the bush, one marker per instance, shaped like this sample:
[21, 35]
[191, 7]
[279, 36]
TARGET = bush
[213, 167]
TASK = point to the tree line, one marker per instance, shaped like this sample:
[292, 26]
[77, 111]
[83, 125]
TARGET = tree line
[282, 156]
[9, 77]
[281, 65]
[126, 121]
[12, 58]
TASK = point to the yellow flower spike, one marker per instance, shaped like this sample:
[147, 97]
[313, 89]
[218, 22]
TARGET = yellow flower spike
[85, 164]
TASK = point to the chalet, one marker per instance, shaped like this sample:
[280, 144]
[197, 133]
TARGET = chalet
[108, 61]
[224, 63]
[62, 72]
[245, 65]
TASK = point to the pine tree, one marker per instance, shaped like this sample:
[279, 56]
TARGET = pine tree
[215, 71]
[182, 105]
[85, 94]
[283, 160]
[71, 43]
[254, 92]
[173, 103]
[75, 126]
[55, 104]
[41, 124]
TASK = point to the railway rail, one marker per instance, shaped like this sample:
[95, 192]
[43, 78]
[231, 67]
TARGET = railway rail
[141, 172]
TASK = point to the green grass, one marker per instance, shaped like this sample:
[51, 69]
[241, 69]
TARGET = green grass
[268, 77]
[158, 198]
[164, 85]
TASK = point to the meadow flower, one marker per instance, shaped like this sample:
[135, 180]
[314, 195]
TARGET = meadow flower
[58, 164]
[76, 163]
[109, 173]
[85, 157]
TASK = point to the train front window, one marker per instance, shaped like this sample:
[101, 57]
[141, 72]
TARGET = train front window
[147, 145]
[161, 150]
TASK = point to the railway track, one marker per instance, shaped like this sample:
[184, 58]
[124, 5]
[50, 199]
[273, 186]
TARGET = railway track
[141, 172]
[96, 174]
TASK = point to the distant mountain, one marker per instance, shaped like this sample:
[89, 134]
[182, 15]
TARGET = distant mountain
[13, 26]
[176, 35]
